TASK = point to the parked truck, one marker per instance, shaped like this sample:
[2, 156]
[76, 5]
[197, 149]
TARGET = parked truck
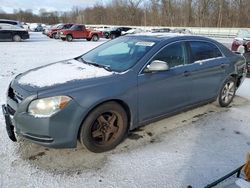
[79, 31]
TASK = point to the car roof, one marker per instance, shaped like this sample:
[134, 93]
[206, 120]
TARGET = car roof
[165, 36]
[6, 24]
[158, 37]
[9, 20]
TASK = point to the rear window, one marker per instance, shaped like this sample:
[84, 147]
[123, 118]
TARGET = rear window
[203, 50]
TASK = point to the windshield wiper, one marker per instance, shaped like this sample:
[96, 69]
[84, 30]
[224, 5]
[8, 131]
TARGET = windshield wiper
[106, 67]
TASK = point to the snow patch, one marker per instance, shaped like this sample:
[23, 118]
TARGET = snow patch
[242, 183]
[62, 72]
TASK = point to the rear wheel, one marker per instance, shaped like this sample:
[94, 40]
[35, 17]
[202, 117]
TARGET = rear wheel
[227, 92]
[69, 38]
[112, 36]
[54, 35]
[95, 38]
[104, 128]
[17, 38]
[106, 35]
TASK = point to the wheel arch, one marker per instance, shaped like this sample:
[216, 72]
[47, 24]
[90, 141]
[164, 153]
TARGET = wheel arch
[123, 104]
[69, 34]
[237, 79]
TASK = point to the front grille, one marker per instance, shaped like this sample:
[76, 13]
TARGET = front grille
[14, 95]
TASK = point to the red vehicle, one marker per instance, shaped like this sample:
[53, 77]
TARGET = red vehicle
[80, 32]
[55, 30]
[243, 39]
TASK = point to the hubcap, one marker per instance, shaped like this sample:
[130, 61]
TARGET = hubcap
[69, 38]
[95, 38]
[228, 92]
[106, 128]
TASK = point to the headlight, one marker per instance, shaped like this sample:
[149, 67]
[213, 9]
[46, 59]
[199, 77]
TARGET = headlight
[48, 106]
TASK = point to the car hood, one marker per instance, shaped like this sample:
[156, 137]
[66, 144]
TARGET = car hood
[61, 74]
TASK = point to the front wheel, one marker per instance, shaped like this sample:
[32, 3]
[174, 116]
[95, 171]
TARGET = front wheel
[17, 38]
[227, 92]
[104, 128]
[112, 36]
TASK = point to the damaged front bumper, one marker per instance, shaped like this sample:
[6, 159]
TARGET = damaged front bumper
[8, 122]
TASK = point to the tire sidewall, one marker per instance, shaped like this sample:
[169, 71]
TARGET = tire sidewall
[219, 99]
[69, 38]
[95, 38]
[16, 38]
[85, 131]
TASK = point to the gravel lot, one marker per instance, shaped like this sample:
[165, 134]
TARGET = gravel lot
[192, 148]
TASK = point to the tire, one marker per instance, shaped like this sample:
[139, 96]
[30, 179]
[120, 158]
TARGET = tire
[54, 35]
[112, 36]
[227, 92]
[107, 36]
[95, 38]
[63, 39]
[104, 128]
[17, 38]
[88, 39]
[69, 38]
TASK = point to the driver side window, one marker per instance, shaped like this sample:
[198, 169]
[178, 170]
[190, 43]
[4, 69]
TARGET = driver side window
[173, 54]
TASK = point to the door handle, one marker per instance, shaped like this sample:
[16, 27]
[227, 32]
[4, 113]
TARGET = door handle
[187, 73]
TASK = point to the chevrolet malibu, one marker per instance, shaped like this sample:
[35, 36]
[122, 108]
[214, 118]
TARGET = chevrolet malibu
[98, 97]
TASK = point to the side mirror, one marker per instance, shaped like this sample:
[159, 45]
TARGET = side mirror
[157, 66]
[241, 49]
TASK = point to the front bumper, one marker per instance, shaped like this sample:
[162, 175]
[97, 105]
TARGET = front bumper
[9, 125]
[26, 36]
[57, 131]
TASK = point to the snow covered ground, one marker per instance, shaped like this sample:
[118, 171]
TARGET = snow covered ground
[193, 148]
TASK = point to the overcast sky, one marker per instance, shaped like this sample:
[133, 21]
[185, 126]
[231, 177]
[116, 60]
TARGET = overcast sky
[51, 5]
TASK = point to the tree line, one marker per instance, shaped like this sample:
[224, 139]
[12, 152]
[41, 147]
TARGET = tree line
[175, 13]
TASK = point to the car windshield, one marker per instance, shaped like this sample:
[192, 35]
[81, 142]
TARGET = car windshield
[60, 26]
[120, 54]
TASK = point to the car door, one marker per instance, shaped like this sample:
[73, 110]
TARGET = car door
[5, 32]
[168, 91]
[207, 69]
[79, 33]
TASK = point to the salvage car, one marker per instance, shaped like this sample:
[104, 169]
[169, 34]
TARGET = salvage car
[14, 33]
[117, 32]
[79, 31]
[243, 40]
[54, 31]
[98, 97]
[11, 22]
